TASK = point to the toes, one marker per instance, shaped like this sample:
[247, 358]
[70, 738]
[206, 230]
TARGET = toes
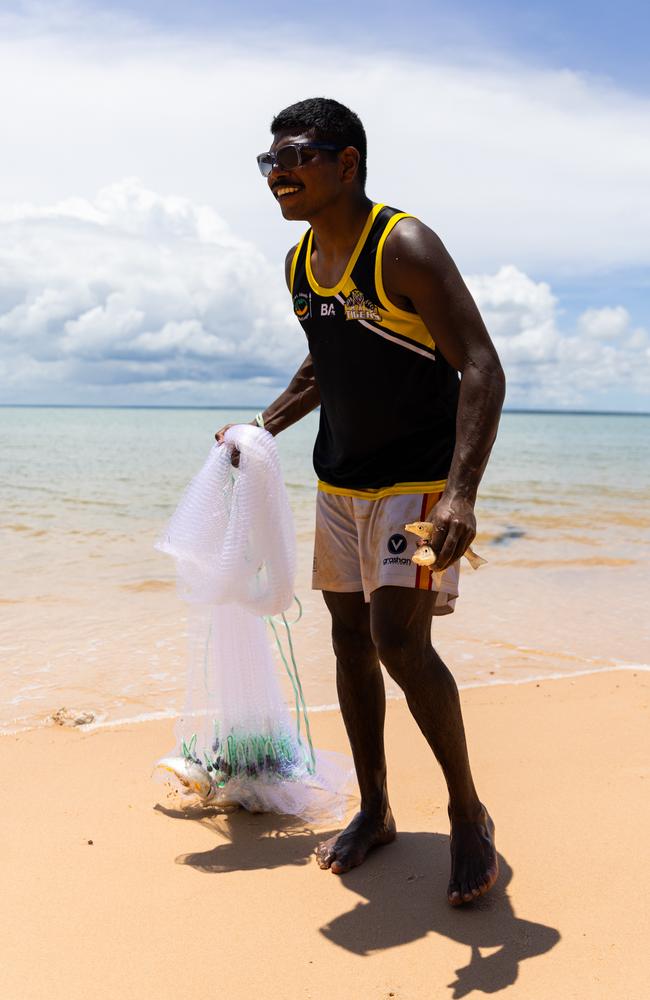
[453, 894]
[344, 862]
[486, 881]
[325, 855]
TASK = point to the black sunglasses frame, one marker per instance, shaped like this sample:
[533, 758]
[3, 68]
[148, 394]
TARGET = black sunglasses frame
[266, 161]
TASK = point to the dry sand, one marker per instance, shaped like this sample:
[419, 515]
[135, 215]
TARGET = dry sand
[167, 907]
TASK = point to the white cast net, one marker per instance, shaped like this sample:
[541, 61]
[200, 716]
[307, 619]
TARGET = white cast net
[233, 542]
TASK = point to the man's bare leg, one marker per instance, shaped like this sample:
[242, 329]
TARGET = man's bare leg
[363, 706]
[400, 622]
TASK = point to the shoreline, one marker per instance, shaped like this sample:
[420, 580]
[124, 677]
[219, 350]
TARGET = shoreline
[171, 715]
[109, 892]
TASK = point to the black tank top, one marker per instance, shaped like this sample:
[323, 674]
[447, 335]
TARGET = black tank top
[388, 398]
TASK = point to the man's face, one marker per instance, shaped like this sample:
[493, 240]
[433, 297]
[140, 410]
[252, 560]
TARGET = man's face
[304, 190]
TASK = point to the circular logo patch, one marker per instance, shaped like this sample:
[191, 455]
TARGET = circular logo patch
[396, 544]
[301, 306]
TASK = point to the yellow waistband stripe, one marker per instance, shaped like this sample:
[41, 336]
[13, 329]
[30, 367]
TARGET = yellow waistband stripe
[436, 486]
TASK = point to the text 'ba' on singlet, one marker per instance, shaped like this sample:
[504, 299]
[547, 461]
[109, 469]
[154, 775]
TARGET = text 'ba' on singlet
[388, 398]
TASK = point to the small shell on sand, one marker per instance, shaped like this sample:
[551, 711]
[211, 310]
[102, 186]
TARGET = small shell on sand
[423, 554]
[71, 717]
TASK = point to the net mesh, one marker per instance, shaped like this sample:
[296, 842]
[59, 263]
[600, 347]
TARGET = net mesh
[233, 543]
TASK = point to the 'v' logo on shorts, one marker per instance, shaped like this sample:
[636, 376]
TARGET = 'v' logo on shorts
[396, 544]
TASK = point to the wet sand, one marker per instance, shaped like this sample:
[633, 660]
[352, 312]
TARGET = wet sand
[162, 905]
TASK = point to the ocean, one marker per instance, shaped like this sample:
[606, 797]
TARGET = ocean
[89, 614]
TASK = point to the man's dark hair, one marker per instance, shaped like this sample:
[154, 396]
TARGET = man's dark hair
[330, 122]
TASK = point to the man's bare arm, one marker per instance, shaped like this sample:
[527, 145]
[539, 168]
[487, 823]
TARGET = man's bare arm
[299, 398]
[301, 395]
[419, 274]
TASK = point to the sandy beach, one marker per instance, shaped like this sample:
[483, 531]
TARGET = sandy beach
[106, 893]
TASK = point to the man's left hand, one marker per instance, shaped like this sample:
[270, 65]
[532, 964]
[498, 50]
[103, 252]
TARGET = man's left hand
[454, 529]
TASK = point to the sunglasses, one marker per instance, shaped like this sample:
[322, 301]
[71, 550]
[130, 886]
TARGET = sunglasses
[288, 157]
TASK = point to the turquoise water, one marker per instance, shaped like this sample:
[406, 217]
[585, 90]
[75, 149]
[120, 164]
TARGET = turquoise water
[89, 612]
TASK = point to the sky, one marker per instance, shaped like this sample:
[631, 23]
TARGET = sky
[141, 255]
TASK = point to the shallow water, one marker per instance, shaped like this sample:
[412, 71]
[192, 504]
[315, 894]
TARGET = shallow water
[89, 617]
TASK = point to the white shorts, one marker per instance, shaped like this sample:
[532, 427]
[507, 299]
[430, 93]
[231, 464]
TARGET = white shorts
[362, 545]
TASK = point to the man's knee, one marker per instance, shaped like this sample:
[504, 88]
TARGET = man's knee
[352, 644]
[351, 638]
[398, 650]
[400, 623]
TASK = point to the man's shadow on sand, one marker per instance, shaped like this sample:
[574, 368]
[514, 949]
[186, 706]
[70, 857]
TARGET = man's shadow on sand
[403, 889]
[406, 900]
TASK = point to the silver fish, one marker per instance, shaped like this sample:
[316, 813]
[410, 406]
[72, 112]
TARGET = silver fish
[191, 775]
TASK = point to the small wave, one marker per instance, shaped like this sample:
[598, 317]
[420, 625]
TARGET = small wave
[38, 599]
[557, 563]
[566, 675]
[148, 586]
[102, 722]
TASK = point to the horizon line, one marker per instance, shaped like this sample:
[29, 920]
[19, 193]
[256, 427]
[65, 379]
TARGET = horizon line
[250, 406]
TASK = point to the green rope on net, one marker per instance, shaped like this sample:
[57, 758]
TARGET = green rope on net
[238, 751]
[294, 677]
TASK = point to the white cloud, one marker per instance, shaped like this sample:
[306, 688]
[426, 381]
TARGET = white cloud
[134, 287]
[549, 366]
[143, 297]
[609, 323]
[545, 168]
[137, 297]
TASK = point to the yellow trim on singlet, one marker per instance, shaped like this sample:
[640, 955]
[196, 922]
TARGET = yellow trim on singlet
[413, 328]
[379, 280]
[294, 262]
[326, 292]
[398, 489]
[401, 321]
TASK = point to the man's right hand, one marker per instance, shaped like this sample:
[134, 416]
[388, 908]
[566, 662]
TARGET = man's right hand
[220, 436]
[299, 398]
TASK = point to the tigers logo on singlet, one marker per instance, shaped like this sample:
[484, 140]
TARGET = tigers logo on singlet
[357, 306]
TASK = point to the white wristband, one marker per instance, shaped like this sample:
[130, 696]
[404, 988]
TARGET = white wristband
[259, 420]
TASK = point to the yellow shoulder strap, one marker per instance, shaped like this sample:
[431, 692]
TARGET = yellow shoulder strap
[379, 281]
[294, 261]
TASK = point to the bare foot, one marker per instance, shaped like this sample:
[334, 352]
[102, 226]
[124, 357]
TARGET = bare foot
[349, 849]
[474, 864]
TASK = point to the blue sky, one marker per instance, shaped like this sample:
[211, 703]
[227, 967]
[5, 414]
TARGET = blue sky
[592, 36]
[141, 256]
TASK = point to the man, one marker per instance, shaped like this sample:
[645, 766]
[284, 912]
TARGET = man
[390, 325]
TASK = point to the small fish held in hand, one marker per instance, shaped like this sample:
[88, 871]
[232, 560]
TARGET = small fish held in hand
[424, 554]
